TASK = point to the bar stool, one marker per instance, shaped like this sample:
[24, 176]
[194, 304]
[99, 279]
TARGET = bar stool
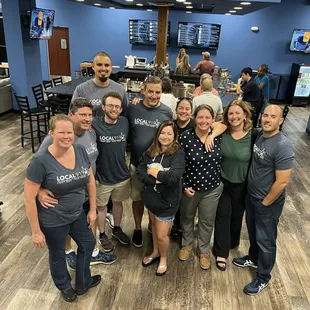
[84, 72]
[31, 115]
[90, 71]
[39, 97]
[57, 81]
[285, 112]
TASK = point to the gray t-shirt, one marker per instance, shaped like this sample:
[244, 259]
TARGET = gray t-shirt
[143, 123]
[88, 140]
[68, 186]
[111, 142]
[213, 101]
[269, 155]
[95, 93]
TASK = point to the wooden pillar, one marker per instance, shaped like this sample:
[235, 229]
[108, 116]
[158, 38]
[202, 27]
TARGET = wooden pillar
[163, 12]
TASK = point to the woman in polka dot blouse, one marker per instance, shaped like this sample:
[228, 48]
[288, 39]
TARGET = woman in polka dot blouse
[202, 185]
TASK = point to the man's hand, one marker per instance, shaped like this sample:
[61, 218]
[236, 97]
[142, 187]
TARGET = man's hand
[46, 199]
[135, 100]
[38, 239]
[189, 192]
[91, 218]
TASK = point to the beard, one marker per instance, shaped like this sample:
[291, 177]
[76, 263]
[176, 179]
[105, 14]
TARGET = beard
[103, 78]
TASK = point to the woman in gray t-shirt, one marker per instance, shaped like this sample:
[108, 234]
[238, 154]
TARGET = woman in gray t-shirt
[64, 169]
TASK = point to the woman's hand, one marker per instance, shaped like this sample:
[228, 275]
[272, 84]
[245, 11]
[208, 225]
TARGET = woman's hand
[189, 192]
[153, 172]
[209, 143]
[46, 199]
[38, 239]
[91, 218]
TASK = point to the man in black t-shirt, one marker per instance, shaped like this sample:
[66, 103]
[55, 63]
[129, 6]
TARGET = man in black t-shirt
[251, 93]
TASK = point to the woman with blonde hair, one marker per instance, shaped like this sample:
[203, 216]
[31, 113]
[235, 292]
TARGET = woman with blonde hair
[183, 68]
[180, 56]
[160, 170]
[236, 145]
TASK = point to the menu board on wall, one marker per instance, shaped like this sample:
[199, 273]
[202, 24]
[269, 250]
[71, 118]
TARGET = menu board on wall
[302, 88]
[144, 32]
[199, 35]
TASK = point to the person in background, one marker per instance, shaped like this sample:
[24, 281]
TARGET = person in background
[262, 81]
[180, 56]
[207, 97]
[269, 175]
[250, 92]
[198, 91]
[205, 65]
[202, 186]
[80, 113]
[144, 119]
[236, 145]
[167, 98]
[184, 67]
[160, 170]
[113, 175]
[64, 169]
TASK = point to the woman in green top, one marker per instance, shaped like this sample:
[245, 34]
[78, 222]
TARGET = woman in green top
[236, 147]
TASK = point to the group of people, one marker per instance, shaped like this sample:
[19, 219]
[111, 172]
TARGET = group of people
[178, 167]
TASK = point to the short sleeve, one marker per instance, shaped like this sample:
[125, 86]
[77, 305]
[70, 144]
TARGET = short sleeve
[36, 170]
[76, 93]
[284, 157]
[220, 111]
[48, 140]
[265, 80]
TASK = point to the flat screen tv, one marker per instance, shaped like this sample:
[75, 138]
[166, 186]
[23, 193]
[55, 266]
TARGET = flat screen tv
[144, 32]
[300, 41]
[41, 23]
[199, 35]
[302, 88]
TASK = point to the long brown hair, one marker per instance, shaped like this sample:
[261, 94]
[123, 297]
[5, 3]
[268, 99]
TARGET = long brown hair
[246, 109]
[155, 148]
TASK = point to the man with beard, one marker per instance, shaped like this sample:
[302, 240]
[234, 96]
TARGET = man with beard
[268, 177]
[94, 89]
[81, 115]
[113, 175]
[144, 118]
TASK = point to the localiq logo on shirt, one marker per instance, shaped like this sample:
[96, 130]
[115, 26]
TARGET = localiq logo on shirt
[67, 178]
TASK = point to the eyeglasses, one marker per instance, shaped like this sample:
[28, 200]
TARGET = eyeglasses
[111, 106]
[185, 98]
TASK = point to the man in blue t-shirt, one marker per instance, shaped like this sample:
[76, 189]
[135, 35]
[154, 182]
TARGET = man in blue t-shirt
[269, 174]
[262, 82]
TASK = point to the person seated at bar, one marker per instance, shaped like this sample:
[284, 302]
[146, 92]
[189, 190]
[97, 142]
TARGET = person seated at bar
[160, 169]
[198, 91]
[180, 56]
[64, 169]
[184, 67]
[205, 65]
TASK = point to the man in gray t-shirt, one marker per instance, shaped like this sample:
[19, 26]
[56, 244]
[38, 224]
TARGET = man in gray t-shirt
[144, 119]
[269, 175]
[96, 88]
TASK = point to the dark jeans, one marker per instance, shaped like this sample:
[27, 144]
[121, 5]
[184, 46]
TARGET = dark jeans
[228, 219]
[262, 223]
[56, 241]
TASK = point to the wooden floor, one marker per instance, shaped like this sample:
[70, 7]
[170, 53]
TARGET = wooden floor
[25, 282]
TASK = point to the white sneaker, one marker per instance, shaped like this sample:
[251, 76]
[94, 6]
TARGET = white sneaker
[110, 220]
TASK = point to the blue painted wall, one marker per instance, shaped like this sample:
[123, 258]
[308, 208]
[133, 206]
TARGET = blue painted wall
[93, 29]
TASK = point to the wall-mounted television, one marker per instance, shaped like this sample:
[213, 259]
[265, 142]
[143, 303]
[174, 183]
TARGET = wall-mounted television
[41, 23]
[199, 35]
[144, 32]
[300, 41]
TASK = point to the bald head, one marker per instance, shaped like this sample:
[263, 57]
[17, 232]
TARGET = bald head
[275, 109]
[272, 118]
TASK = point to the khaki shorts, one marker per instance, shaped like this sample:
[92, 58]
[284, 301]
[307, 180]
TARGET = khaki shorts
[118, 192]
[136, 185]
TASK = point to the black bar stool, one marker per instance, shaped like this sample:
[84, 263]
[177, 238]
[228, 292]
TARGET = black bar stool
[39, 97]
[84, 72]
[38, 115]
[57, 81]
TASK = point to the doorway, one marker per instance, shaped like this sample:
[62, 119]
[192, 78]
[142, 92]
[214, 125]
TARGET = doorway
[59, 52]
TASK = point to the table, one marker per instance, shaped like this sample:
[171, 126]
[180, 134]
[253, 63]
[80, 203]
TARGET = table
[6, 67]
[67, 89]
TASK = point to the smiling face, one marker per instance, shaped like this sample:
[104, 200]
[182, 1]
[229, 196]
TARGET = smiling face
[166, 136]
[112, 108]
[203, 120]
[236, 116]
[82, 119]
[184, 111]
[102, 67]
[271, 119]
[63, 134]
[152, 95]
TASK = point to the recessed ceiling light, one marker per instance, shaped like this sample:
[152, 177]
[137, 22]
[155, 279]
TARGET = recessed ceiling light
[180, 0]
[187, 3]
[80, 0]
[188, 12]
[129, 0]
[97, 4]
[112, 8]
[232, 11]
[227, 14]
[149, 10]
[238, 8]
[189, 7]
[245, 3]
[139, 4]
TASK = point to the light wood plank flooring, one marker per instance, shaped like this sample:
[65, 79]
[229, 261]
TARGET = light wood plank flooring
[25, 281]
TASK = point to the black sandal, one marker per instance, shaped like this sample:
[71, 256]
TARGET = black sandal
[222, 268]
[150, 260]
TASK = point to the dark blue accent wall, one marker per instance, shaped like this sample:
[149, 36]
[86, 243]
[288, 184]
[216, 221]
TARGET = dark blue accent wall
[93, 29]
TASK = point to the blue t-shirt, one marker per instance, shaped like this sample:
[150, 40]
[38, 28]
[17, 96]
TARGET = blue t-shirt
[265, 80]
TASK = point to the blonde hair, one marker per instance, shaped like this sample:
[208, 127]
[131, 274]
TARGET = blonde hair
[59, 118]
[207, 84]
[246, 109]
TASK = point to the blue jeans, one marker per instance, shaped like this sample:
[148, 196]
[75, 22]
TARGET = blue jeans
[262, 223]
[56, 240]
